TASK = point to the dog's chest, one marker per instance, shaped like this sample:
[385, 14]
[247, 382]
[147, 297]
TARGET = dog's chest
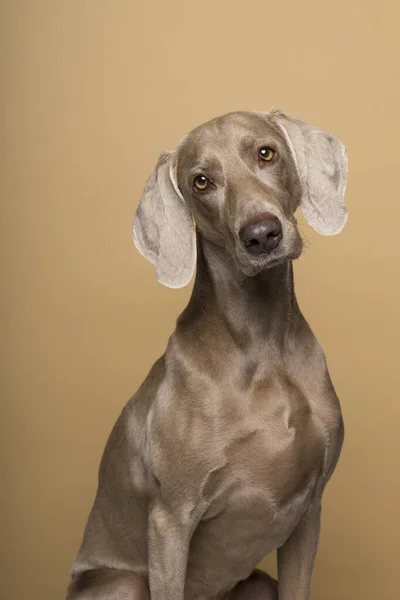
[273, 457]
[266, 445]
[272, 462]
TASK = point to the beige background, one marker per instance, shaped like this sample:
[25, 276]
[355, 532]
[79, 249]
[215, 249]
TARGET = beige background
[92, 91]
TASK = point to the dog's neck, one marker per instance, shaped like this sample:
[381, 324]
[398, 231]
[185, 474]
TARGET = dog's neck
[251, 308]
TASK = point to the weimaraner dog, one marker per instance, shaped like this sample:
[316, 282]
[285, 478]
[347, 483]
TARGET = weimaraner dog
[223, 454]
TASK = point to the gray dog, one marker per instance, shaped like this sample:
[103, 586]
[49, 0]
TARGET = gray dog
[223, 453]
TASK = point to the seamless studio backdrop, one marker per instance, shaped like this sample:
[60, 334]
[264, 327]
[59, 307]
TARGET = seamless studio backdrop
[91, 92]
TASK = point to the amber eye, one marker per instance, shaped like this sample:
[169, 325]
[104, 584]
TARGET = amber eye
[201, 182]
[266, 153]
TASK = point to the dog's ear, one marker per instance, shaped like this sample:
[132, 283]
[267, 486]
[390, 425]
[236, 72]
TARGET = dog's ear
[321, 162]
[163, 228]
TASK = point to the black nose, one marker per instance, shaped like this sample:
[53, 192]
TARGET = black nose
[262, 237]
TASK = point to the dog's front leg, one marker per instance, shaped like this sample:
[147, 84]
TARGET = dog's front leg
[297, 555]
[168, 541]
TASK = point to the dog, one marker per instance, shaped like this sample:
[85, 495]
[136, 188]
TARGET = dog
[223, 453]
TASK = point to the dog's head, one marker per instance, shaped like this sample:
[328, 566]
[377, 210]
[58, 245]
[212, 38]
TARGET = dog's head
[240, 179]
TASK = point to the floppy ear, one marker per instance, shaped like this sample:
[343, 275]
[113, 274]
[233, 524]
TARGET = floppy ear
[163, 228]
[321, 162]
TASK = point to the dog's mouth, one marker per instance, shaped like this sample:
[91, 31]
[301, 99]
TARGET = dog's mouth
[252, 265]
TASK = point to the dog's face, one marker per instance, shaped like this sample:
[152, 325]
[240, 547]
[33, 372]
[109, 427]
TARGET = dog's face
[240, 178]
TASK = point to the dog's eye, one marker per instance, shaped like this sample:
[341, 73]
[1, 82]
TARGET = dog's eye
[201, 182]
[266, 153]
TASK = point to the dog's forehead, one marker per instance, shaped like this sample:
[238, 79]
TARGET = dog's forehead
[223, 132]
